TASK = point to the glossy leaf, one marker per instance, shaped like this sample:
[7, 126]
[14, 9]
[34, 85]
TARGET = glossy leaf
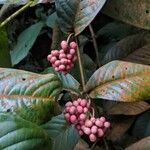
[63, 135]
[4, 49]
[133, 12]
[129, 108]
[19, 134]
[28, 94]
[24, 42]
[77, 15]
[120, 81]
[143, 144]
[126, 46]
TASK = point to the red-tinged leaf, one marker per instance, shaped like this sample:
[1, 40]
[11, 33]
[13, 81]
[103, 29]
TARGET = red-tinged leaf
[120, 81]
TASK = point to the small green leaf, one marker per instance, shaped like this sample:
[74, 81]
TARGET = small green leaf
[63, 135]
[19, 134]
[76, 15]
[120, 81]
[51, 20]
[24, 42]
[4, 49]
[28, 94]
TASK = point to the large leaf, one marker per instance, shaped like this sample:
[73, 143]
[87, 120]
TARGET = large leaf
[76, 14]
[28, 94]
[143, 144]
[134, 12]
[120, 81]
[19, 134]
[63, 135]
[24, 42]
[126, 46]
[129, 108]
[141, 55]
[4, 49]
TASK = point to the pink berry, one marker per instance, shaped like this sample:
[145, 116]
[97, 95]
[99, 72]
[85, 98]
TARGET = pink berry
[67, 116]
[69, 56]
[68, 61]
[72, 110]
[85, 109]
[67, 109]
[99, 123]
[57, 63]
[53, 59]
[62, 51]
[62, 67]
[55, 52]
[68, 104]
[92, 137]
[88, 123]
[107, 124]
[81, 122]
[73, 45]
[49, 57]
[103, 119]
[73, 119]
[80, 132]
[72, 51]
[64, 45]
[62, 56]
[82, 117]
[78, 127]
[94, 129]
[79, 109]
[56, 69]
[93, 119]
[83, 126]
[86, 130]
[83, 103]
[68, 67]
[100, 132]
[64, 61]
[74, 58]
[79, 100]
[75, 103]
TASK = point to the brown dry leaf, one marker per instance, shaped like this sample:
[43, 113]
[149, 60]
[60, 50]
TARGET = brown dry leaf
[119, 128]
[81, 145]
[143, 144]
[129, 108]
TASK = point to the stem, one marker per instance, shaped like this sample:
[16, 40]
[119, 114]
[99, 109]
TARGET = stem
[80, 67]
[69, 37]
[94, 44]
[15, 14]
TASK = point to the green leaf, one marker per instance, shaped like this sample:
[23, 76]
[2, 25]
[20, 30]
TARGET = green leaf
[51, 20]
[19, 134]
[63, 135]
[4, 49]
[24, 42]
[69, 83]
[120, 81]
[28, 94]
[143, 144]
[77, 15]
[130, 11]
[126, 46]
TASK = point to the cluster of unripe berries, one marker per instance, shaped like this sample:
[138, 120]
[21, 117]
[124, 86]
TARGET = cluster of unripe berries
[77, 113]
[63, 60]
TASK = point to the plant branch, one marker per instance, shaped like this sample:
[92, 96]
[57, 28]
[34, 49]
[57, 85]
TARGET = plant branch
[15, 14]
[80, 67]
[94, 44]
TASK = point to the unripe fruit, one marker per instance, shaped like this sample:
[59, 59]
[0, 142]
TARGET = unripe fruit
[92, 137]
[73, 119]
[106, 124]
[64, 45]
[86, 130]
[72, 51]
[73, 45]
[99, 123]
[79, 109]
[68, 104]
[83, 103]
[88, 123]
[72, 110]
[94, 129]
[100, 133]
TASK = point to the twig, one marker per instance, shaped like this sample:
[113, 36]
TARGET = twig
[80, 67]
[15, 14]
[94, 44]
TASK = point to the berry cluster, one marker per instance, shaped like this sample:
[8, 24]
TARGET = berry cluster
[63, 60]
[77, 113]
